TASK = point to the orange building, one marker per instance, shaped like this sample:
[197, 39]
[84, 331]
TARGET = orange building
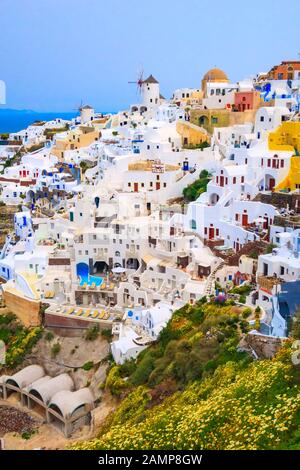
[287, 70]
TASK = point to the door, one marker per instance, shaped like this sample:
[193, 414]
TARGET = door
[211, 233]
[245, 220]
[271, 183]
[136, 187]
[157, 186]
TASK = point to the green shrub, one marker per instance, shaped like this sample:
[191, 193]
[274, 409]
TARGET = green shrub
[247, 312]
[55, 350]
[143, 370]
[92, 333]
[194, 190]
[114, 382]
[88, 366]
[106, 333]
[49, 336]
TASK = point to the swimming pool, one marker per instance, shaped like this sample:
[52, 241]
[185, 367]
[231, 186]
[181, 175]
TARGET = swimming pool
[89, 280]
[82, 270]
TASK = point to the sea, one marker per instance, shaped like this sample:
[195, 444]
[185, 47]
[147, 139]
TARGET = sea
[14, 120]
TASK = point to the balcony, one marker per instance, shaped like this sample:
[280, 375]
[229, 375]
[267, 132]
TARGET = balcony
[268, 282]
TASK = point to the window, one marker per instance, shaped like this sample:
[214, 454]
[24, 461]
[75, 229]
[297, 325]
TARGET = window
[280, 76]
[193, 224]
[86, 252]
[214, 120]
[281, 270]
[262, 118]
[234, 180]
[94, 237]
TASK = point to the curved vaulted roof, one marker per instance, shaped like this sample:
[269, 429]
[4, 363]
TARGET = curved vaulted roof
[68, 402]
[27, 376]
[47, 389]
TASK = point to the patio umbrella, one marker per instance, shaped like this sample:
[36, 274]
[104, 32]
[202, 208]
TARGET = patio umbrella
[118, 270]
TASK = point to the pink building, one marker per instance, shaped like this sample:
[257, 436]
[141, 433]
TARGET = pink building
[244, 100]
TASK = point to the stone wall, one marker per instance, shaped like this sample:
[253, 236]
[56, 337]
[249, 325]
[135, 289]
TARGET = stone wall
[27, 310]
[71, 326]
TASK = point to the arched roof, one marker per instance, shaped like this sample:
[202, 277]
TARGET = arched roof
[215, 75]
[49, 388]
[27, 376]
[67, 402]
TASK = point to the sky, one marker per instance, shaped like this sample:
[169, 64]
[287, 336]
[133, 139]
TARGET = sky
[56, 53]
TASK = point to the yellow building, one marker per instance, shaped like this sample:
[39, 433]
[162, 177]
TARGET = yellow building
[292, 180]
[191, 135]
[287, 137]
[211, 118]
[82, 136]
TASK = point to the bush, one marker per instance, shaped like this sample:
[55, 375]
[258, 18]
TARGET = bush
[49, 336]
[55, 350]
[194, 190]
[19, 340]
[106, 333]
[246, 312]
[114, 381]
[143, 370]
[245, 289]
[88, 366]
[270, 248]
[92, 333]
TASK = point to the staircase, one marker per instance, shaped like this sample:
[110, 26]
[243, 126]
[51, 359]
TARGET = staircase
[210, 284]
